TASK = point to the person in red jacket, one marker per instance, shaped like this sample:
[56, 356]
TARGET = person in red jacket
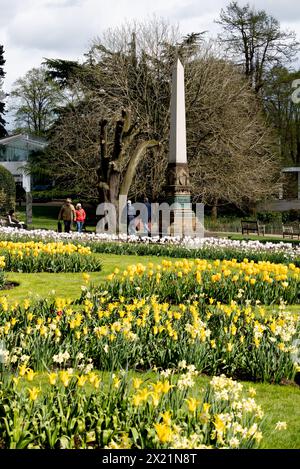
[80, 217]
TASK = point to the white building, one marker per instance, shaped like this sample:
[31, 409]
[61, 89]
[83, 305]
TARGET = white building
[14, 153]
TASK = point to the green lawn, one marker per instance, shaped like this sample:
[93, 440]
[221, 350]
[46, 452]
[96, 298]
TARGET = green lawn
[43, 217]
[254, 237]
[66, 284]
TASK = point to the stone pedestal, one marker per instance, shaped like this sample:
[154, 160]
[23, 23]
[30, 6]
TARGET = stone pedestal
[182, 219]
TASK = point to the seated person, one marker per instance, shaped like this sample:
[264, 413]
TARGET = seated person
[13, 221]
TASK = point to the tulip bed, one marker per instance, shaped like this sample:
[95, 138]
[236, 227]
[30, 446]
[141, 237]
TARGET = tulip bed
[74, 373]
[223, 280]
[35, 256]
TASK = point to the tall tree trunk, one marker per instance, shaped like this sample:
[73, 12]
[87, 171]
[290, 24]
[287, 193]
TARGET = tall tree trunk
[214, 210]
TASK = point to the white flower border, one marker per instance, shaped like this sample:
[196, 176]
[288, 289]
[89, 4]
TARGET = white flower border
[197, 243]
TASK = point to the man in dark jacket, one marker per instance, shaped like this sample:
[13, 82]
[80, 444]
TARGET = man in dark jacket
[67, 215]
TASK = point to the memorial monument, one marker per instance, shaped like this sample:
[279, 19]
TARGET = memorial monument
[178, 189]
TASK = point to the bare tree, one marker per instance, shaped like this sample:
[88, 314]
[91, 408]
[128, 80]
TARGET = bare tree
[255, 41]
[232, 153]
[114, 138]
[125, 83]
[34, 101]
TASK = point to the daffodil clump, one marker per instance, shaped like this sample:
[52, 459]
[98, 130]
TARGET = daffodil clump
[79, 409]
[223, 280]
[244, 341]
[34, 256]
[2, 266]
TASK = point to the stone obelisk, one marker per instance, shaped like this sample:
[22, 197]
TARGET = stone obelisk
[178, 188]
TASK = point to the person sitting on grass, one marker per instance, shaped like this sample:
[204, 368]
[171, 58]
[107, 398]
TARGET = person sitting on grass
[13, 221]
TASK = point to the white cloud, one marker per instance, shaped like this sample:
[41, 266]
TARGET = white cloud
[51, 30]
[33, 29]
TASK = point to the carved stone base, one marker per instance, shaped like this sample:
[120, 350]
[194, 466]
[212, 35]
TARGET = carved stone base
[178, 179]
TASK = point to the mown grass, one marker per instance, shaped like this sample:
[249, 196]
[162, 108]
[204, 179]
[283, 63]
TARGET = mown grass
[66, 284]
[44, 217]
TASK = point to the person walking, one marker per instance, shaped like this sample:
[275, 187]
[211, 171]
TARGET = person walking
[147, 217]
[131, 213]
[80, 217]
[67, 215]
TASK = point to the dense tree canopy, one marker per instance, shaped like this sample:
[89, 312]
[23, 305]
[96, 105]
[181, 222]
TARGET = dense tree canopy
[283, 114]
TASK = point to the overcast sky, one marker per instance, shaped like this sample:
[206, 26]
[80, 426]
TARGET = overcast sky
[33, 29]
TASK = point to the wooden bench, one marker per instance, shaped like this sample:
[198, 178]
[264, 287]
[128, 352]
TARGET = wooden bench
[291, 230]
[252, 226]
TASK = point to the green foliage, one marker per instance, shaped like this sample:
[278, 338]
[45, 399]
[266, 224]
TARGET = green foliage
[7, 190]
[269, 217]
[283, 114]
[291, 216]
[175, 287]
[56, 193]
[35, 101]
[2, 279]
[206, 252]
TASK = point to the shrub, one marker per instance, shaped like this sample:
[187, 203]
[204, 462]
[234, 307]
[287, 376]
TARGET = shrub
[7, 190]
[291, 216]
[269, 217]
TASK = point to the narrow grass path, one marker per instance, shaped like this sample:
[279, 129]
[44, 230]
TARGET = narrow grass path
[67, 284]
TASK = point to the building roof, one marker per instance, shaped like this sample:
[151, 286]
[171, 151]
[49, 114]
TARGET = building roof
[292, 169]
[30, 140]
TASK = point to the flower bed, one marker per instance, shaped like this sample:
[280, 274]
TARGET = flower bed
[78, 410]
[2, 276]
[222, 280]
[240, 340]
[209, 248]
[47, 257]
[212, 314]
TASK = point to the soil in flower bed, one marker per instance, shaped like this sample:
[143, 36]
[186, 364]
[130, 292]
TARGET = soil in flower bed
[9, 285]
